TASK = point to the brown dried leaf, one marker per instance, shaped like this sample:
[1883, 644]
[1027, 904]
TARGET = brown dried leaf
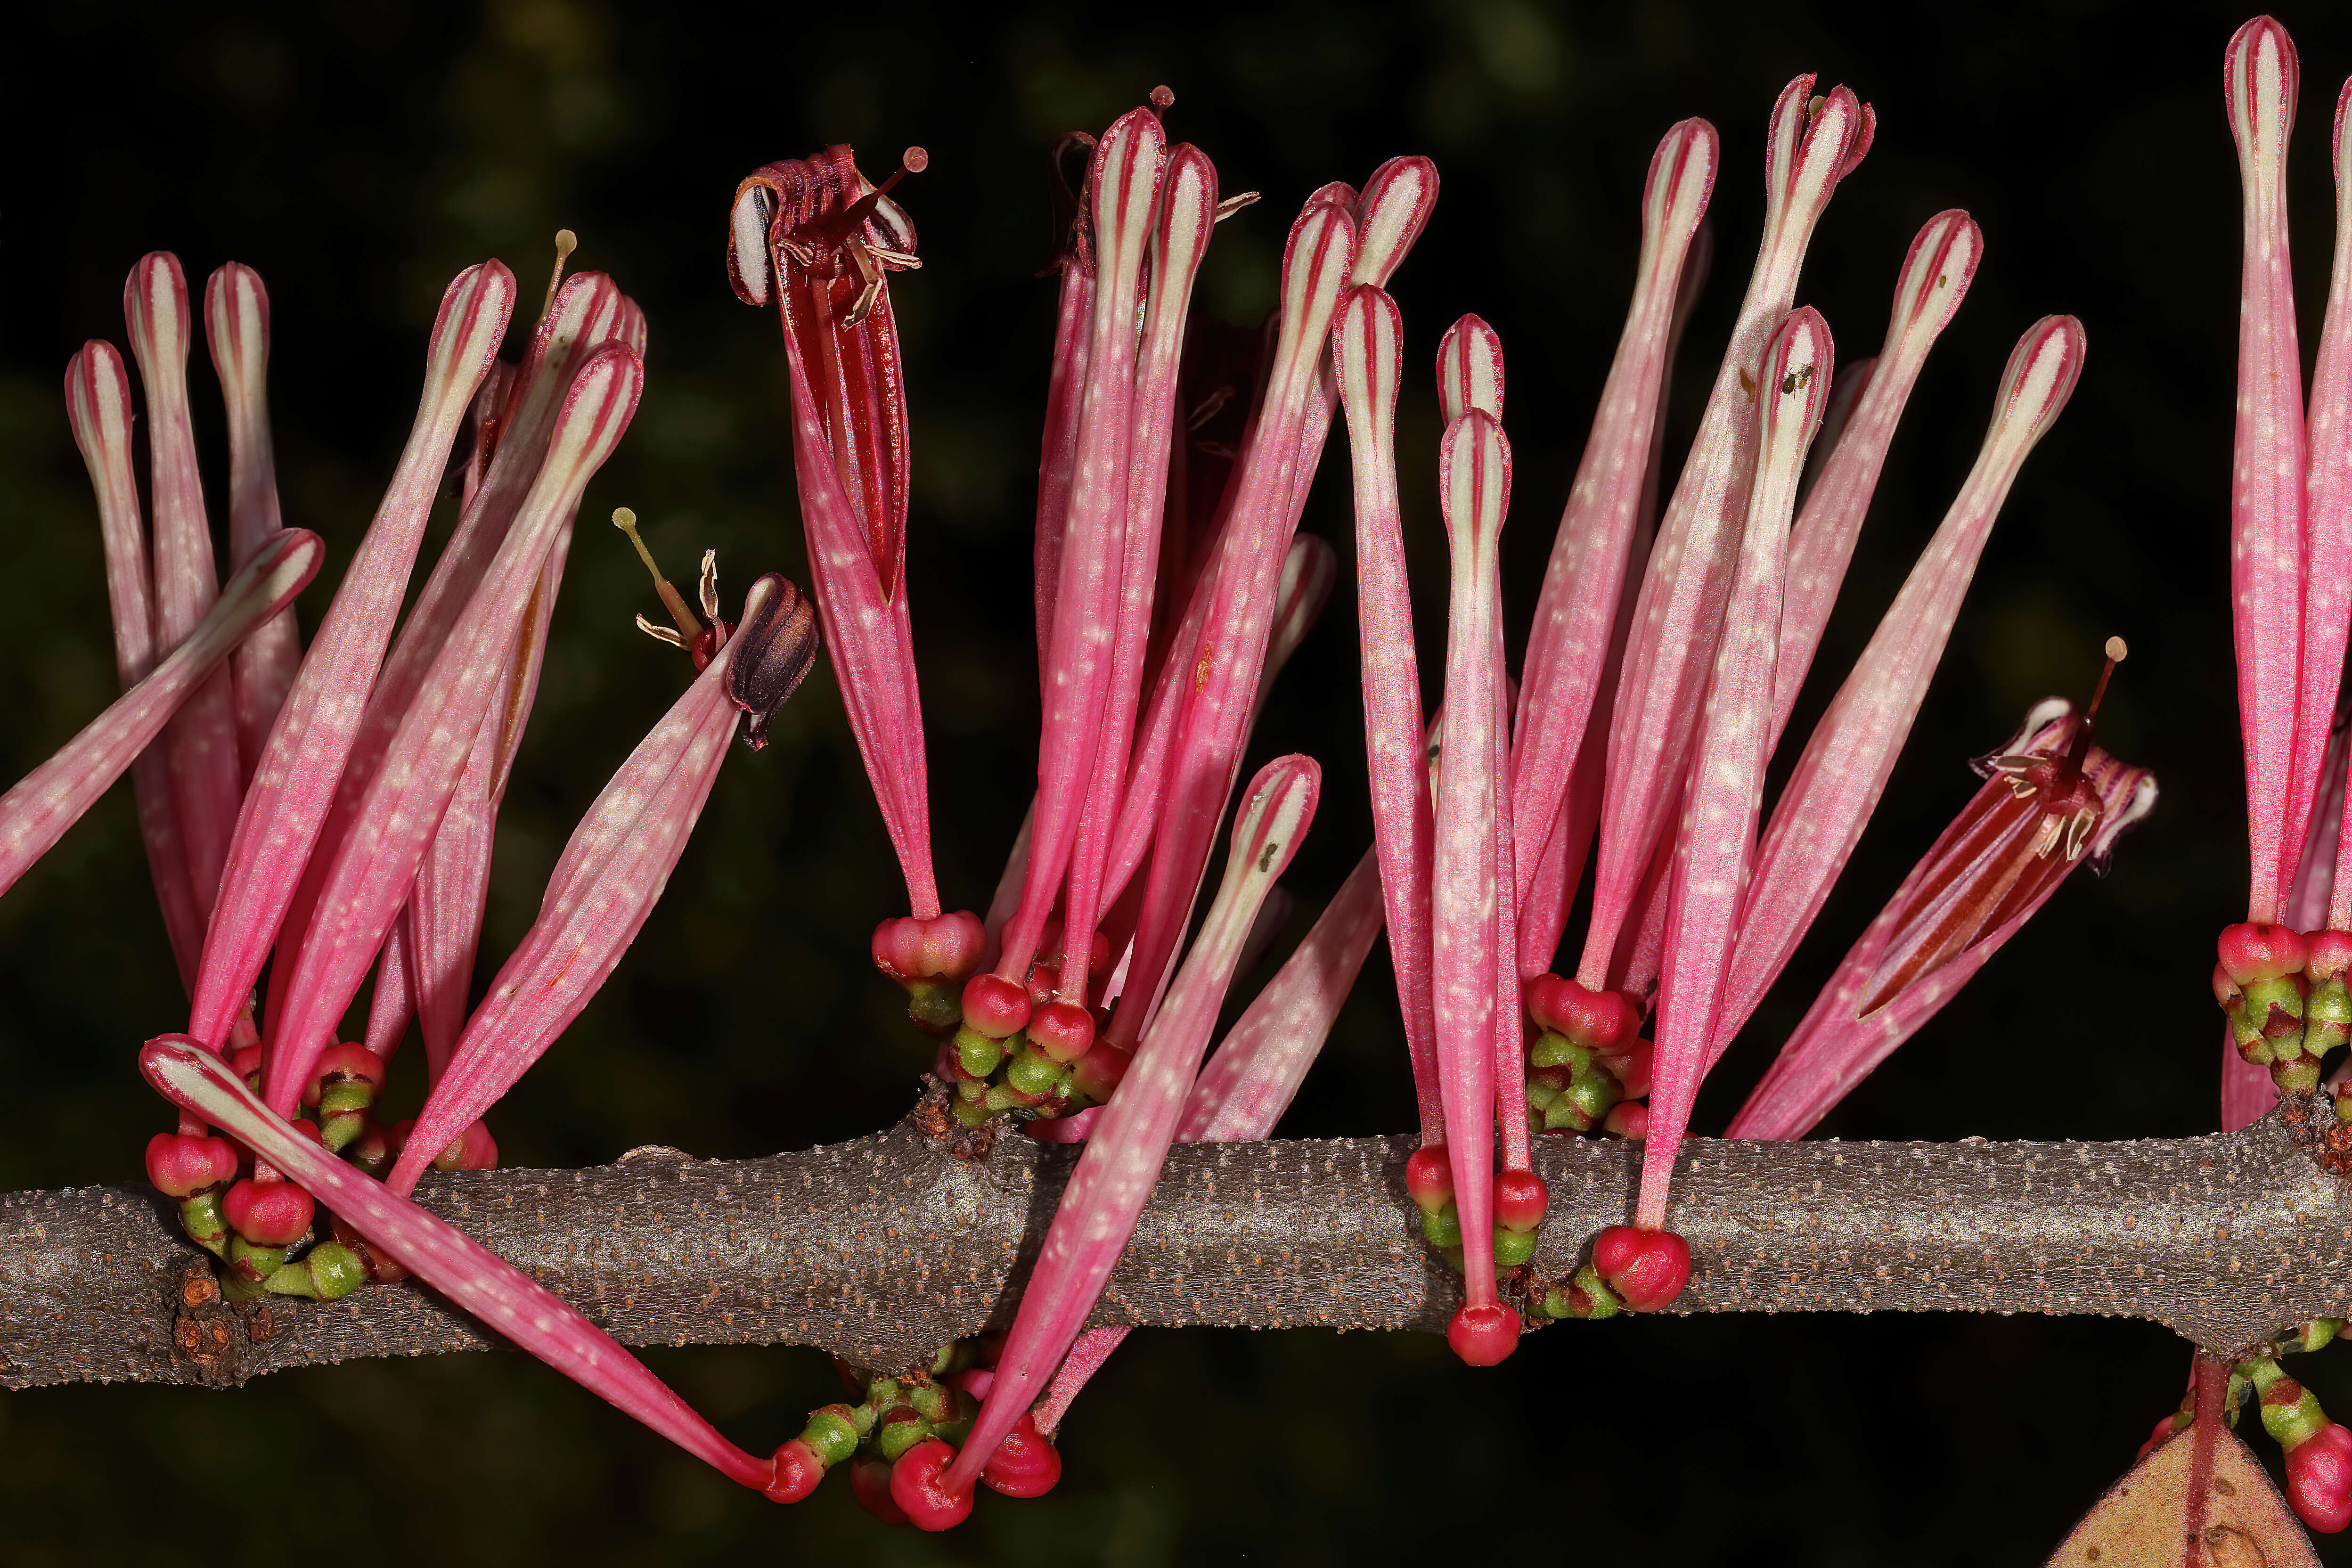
[2158, 1517]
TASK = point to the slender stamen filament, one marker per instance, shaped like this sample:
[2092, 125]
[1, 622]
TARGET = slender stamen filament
[566, 242]
[2117, 651]
[688, 628]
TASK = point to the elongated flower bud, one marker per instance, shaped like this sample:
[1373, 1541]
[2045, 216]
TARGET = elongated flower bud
[2260, 78]
[294, 785]
[1714, 849]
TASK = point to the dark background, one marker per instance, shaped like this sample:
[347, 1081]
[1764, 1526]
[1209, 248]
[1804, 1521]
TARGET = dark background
[360, 152]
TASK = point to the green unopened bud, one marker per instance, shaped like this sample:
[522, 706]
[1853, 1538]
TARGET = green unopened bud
[832, 1435]
[1586, 1296]
[2327, 1017]
[328, 1272]
[968, 1113]
[200, 1216]
[934, 1009]
[1032, 1073]
[976, 1053]
[898, 1432]
[250, 1270]
[1442, 1229]
[934, 1401]
[1556, 1050]
[1541, 1092]
[1565, 1115]
[1513, 1248]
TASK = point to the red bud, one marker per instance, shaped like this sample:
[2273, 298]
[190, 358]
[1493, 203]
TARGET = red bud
[1024, 1465]
[1647, 1268]
[267, 1213]
[1483, 1336]
[918, 1485]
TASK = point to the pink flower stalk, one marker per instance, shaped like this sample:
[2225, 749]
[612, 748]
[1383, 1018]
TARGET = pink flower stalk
[1716, 847]
[1367, 351]
[2259, 78]
[1812, 144]
[51, 799]
[98, 405]
[202, 738]
[1230, 653]
[294, 785]
[612, 871]
[368, 878]
[2052, 801]
[1471, 919]
[1122, 1159]
[819, 239]
[236, 327]
[1569, 645]
[1935, 279]
[502, 1296]
[1829, 798]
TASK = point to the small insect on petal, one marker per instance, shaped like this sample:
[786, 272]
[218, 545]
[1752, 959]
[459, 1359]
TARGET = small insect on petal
[774, 650]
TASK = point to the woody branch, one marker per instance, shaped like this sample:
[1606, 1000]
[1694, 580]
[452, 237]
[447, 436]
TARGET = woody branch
[884, 1248]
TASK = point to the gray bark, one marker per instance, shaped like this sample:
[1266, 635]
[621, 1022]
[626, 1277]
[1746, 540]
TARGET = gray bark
[884, 1248]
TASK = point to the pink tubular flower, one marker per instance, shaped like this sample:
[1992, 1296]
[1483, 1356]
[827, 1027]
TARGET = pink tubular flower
[294, 784]
[1368, 353]
[1812, 144]
[818, 239]
[1568, 647]
[2052, 801]
[202, 738]
[236, 327]
[2260, 78]
[98, 405]
[1122, 1160]
[613, 869]
[1716, 847]
[1479, 1057]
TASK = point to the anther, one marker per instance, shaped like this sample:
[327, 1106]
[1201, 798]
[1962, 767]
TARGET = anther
[1234, 204]
[672, 600]
[566, 242]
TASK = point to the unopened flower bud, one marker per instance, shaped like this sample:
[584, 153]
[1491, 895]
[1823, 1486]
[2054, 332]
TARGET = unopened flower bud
[995, 1006]
[267, 1212]
[1627, 1119]
[1483, 1336]
[1063, 1031]
[798, 1470]
[1520, 1197]
[1025, 1464]
[1099, 1071]
[182, 1166]
[918, 1485]
[1429, 1177]
[1595, 1020]
[328, 1272]
[1586, 1296]
[1646, 1268]
[2319, 1480]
